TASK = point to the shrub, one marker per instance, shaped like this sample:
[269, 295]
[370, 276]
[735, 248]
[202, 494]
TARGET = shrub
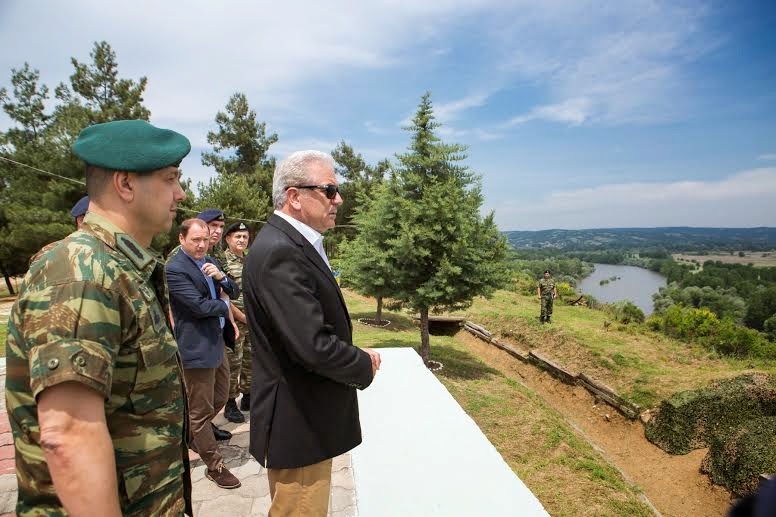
[565, 290]
[769, 326]
[627, 312]
[724, 336]
[736, 459]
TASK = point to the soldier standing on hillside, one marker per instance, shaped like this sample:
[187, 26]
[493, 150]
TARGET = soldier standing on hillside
[547, 294]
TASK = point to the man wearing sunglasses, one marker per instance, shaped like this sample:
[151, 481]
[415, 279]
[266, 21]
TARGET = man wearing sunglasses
[304, 409]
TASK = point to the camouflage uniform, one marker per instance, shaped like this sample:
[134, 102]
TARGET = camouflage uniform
[240, 358]
[547, 287]
[92, 310]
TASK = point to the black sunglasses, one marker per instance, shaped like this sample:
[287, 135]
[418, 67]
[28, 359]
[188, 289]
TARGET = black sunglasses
[330, 190]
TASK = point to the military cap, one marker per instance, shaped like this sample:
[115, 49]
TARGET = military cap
[131, 145]
[80, 208]
[211, 214]
[239, 226]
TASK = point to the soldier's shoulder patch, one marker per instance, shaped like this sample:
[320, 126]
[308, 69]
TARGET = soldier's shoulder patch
[136, 253]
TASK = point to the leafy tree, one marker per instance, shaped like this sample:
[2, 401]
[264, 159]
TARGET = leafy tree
[246, 143]
[443, 253]
[722, 302]
[762, 306]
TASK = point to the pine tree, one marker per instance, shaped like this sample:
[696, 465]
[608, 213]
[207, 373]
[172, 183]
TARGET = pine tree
[443, 253]
[246, 141]
[35, 205]
[366, 263]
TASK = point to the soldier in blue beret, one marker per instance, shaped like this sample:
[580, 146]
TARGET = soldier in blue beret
[94, 388]
[79, 211]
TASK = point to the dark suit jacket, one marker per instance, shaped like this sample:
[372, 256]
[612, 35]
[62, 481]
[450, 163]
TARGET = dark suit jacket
[305, 368]
[195, 312]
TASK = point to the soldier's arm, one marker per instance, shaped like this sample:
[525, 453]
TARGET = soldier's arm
[539, 291]
[78, 450]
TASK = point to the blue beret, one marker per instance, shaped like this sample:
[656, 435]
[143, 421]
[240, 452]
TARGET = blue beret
[131, 145]
[211, 214]
[80, 208]
[239, 226]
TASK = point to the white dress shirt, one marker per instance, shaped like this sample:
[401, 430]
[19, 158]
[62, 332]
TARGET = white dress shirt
[309, 233]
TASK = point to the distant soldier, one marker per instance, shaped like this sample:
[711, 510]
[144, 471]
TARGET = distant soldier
[547, 294]
[236, 238]
[78, 212]
[94, 388]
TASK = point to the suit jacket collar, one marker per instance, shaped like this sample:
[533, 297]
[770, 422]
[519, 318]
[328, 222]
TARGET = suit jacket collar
[189, 262]
[307, 248]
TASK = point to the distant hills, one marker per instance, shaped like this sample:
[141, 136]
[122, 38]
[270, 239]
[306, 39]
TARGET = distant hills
[679, 238]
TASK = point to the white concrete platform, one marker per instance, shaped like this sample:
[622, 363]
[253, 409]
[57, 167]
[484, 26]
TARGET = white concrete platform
[422, 455]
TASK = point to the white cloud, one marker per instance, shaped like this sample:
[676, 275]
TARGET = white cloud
[449, 111]
[572, 111]
[624, 61]
[743, 199]
[767, 157]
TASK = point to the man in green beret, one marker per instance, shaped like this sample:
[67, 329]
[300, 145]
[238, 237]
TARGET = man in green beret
[94, 387]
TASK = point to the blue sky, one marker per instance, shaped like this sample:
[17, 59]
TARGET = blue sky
[575, 114]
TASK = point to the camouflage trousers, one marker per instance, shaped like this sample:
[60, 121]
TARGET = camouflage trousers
[240, 364]
[546, 308]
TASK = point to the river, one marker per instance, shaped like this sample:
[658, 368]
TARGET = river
[634, 283]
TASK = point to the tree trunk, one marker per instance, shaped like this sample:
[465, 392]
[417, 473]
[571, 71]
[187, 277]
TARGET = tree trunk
[379, 315]
[8, 283]
[425, 346]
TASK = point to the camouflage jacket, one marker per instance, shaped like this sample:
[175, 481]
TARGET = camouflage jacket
[92, 310]
[547, 286]
[233, 266]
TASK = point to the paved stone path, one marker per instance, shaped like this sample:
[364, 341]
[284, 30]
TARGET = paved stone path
[251, 499]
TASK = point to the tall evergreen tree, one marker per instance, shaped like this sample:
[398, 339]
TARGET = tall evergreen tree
[34, 208]
[444, 252]
[359, 179]
[98, 91]
[366, 260]
[246, 142]
[33, 205]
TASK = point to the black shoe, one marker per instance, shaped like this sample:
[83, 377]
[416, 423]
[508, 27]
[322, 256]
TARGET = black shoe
[233, 414]
[221, 434]
[245, 403]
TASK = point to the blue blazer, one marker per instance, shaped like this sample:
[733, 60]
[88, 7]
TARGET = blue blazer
[195, 312]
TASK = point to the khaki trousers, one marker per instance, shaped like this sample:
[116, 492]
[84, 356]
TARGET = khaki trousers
[207, 390]
[300, 492]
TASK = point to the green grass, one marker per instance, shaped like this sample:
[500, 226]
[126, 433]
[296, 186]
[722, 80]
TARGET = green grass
[3, 334]
[567, 475]
[641, 365]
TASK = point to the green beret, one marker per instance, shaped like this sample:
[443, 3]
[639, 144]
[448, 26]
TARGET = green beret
[131, 145]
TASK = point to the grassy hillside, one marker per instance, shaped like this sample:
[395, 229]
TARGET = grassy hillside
[568, 475]
[643, 366]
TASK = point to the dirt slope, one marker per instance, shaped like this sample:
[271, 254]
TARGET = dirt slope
[673, 484]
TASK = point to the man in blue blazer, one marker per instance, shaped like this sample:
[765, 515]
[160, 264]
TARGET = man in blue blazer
[199, 298]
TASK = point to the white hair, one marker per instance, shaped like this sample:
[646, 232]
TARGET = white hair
[294, 170]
